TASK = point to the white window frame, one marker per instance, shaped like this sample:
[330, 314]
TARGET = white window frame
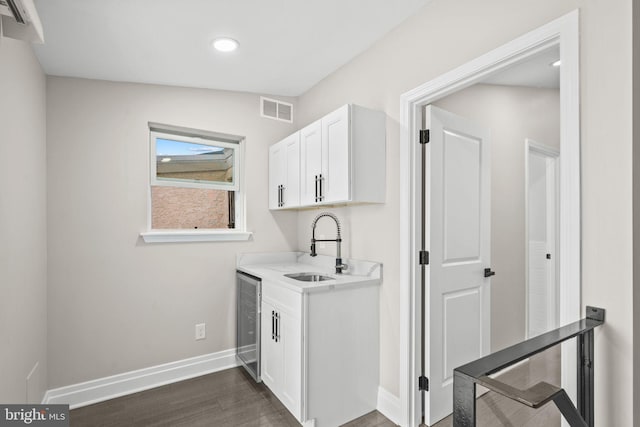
[197, 136]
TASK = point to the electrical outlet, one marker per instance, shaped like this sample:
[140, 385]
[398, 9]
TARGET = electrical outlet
[201, 332]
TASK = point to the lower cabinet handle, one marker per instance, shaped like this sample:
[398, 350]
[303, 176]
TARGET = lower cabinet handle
[273, 325]
[277, 327]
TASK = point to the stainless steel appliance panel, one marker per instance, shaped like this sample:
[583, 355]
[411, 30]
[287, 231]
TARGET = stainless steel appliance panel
[248, 301]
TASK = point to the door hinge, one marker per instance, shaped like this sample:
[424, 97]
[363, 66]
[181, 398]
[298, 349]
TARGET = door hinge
[424, 136]
[424, 257]
[423, 383]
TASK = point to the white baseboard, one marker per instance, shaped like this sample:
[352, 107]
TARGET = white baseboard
[94, 391]
[388, 405]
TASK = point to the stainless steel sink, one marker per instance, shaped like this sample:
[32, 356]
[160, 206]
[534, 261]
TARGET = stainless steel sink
[308, 277]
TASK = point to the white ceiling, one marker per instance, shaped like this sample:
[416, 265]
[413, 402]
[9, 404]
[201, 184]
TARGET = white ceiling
[534, 72]
[286, 46]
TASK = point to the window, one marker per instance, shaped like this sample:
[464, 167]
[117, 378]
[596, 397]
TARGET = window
[195, 186]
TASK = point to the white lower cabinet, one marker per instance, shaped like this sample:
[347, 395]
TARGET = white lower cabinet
[282, 345]
[320, 351]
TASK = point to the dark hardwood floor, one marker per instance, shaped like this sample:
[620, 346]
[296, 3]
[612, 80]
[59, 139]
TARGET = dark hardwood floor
[224, 399]
[232, 399]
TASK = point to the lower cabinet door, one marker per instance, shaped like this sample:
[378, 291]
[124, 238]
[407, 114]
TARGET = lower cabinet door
[291, 341]
[272, 352]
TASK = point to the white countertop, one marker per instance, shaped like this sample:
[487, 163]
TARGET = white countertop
[272, 267]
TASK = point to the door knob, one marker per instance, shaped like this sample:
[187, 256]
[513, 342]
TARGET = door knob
[488, 272]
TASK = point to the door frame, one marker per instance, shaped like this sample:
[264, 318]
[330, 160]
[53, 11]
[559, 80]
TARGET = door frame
[549, 153]
[561, 32]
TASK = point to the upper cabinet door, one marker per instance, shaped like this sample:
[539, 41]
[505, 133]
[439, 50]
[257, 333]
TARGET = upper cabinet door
[335, 180]
[291, 190]
[284, 173]
[276, 175]
[311, 163]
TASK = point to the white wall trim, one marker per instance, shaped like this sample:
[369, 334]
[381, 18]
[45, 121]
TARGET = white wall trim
[99, 390]
[564, 32]
[388, 405]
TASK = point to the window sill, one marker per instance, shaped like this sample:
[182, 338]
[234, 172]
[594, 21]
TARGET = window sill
[177, 236]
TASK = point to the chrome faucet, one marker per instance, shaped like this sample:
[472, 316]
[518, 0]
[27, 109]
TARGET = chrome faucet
[339, 265]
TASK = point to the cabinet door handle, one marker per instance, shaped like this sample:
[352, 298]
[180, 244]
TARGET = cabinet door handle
[282, 195]
[273, 325]
[277, 327]
[316, 188]
[321, 196]
[279, 196]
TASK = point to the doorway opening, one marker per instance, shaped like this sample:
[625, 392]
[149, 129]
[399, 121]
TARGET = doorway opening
[560, 35]
[541, 187]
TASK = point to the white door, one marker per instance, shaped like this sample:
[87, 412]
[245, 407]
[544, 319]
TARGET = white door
[276, 168]
[291, 343]
[291, 184]
[458, 300]
[271, 352]
[542, 253]
[335, 179]
[311, 158]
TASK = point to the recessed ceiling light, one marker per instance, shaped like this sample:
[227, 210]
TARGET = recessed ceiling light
[225, 44]
[556, 63]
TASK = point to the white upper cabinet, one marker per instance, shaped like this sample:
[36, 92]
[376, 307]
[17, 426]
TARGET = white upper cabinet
[284, 173]
[310, 162]
[342, 159]
[336, 157]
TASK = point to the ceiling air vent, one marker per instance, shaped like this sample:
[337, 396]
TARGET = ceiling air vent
[19, 20]
[274, 109]
[14, 9]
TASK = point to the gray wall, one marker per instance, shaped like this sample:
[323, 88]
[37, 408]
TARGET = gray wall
[446, 34]
[636, 210]
[115, 303]
[23, 210]
[512, 114]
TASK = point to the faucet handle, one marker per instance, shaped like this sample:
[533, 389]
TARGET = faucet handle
[340, 266]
